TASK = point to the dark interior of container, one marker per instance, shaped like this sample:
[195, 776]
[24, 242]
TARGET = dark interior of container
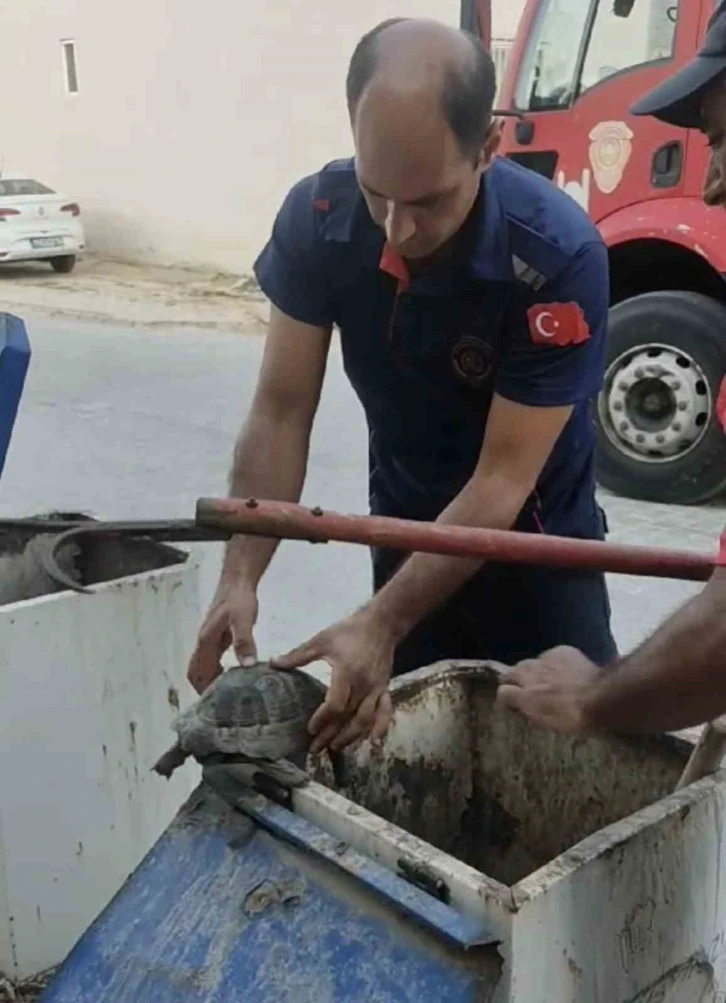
[91, 561]
[489, 788]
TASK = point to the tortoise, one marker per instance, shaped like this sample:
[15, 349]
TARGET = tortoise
[255, 718]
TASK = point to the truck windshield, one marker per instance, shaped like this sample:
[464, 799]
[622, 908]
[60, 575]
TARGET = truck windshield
[551, 78]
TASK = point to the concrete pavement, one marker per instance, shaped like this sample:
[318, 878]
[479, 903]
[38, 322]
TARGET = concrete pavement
[123, 422]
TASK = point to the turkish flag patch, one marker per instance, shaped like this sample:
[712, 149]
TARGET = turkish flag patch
[721, 406]
[558, 324]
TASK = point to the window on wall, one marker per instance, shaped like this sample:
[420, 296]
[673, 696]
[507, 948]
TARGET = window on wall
[70, 70]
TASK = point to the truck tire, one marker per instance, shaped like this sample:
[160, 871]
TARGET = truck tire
[658, 435]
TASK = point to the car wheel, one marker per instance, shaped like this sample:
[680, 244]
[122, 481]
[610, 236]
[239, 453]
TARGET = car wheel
[659, 438]
[63, 264]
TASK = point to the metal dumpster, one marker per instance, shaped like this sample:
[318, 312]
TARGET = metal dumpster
[87, 684]
[473, 858]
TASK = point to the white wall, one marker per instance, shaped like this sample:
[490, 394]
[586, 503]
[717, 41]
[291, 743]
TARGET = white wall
[192, 119]
[505, 17]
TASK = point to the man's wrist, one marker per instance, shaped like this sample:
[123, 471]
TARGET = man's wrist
[235, 566]
[386, 619]
[594, 703]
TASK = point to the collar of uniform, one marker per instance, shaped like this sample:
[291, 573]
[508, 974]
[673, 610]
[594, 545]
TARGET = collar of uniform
[491, 256]
[485, 247]
[345, 217]
[393, 264]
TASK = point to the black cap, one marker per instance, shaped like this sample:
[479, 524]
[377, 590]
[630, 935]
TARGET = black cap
[679, 100]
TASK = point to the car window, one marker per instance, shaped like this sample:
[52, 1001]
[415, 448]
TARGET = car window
[23, 186]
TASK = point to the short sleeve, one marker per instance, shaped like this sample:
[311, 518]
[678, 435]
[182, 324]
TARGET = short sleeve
[542, 363]
[291, 267]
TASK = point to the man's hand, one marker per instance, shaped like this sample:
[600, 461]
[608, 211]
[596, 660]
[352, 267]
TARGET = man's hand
[551, 689]
[230, 621]
[360, 652]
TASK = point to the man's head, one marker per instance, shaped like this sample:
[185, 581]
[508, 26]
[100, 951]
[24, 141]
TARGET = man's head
[420, 98]
[695, 98]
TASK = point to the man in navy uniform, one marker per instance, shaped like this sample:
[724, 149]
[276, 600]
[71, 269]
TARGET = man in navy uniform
[471, 297]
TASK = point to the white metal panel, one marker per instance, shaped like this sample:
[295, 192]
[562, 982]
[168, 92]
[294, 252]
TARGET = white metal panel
[89, 686]
[634, 913]
[638, 907]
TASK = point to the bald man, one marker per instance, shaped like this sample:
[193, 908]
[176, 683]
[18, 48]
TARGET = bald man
[471, 296]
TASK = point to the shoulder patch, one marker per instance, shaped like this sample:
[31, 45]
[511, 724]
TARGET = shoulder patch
[558, 324]
[525, 273]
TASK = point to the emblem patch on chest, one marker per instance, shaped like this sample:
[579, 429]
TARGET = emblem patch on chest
[471, 360]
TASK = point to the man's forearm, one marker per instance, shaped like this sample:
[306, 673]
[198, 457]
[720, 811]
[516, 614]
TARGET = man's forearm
[676, 679]
[425, 581]
[270, 460]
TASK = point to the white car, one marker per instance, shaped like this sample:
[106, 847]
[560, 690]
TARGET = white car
[38, 224]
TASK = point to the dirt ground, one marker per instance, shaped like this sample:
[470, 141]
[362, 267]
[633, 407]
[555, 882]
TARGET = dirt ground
[137, 295]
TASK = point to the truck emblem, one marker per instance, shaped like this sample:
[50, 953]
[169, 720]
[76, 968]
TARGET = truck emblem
[610, 150]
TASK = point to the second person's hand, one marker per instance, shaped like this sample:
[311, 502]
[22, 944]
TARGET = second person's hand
[230, 621]
[359, 650]
[551, 690]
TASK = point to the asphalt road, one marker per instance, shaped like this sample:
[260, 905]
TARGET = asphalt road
[126, 423]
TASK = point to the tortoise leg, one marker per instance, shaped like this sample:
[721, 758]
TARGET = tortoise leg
[283, 772]
[172, 759]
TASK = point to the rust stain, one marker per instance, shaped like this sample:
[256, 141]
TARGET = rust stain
[574, 968]
[173, 698]
[636, 934]
[269, 893]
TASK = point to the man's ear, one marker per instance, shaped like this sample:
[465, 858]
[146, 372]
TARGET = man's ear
[492, 143]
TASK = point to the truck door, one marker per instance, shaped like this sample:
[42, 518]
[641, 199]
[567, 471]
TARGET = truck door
[576, 70]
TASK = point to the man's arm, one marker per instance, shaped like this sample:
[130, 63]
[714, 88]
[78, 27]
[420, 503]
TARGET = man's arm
[270, 456]
[270, 461]
[271, 452]
[675, 679]
[517, 444]
[360, 649]
[538, 384]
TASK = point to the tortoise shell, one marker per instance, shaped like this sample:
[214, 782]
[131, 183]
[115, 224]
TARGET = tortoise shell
[258, 712]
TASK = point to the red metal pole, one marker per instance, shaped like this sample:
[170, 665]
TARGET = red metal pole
[284, 520]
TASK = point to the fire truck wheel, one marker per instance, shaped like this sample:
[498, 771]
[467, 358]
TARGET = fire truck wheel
[658, 435]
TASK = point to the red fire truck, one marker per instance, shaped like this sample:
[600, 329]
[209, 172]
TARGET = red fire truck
[575, 69]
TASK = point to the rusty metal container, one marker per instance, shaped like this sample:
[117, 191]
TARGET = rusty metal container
[473, 858]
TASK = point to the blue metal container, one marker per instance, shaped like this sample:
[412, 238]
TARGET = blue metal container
[14, 362]
[248, 901]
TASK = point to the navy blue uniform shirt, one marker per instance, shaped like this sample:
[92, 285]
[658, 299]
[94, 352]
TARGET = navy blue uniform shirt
[520, 310]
